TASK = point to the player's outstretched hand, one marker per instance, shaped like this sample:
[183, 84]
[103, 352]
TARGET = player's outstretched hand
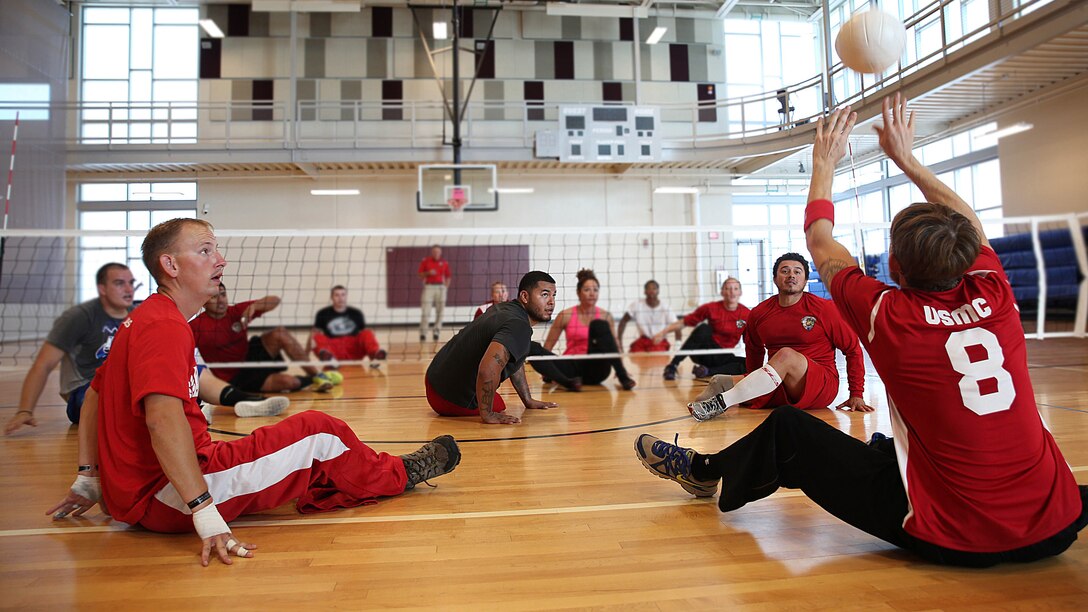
[84, 494]
[897, 133]
[225, 545]
[19, 419]
[855, 404]
[498, 418]
[535, 404]
[832, 136]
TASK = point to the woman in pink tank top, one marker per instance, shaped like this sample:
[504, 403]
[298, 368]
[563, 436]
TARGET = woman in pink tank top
[588, 329]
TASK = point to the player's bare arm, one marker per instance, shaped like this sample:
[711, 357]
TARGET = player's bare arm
[557, 328]
[897, 141]
[263, 305]
[487, 382]
[87, 489]
[828, 255]
[33, 385]
[622, 327]
[675, 326]
[172, 441]
[522, 387]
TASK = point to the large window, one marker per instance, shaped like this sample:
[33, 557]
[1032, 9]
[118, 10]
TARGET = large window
[126, 206]
[765, 56]
[139, 75]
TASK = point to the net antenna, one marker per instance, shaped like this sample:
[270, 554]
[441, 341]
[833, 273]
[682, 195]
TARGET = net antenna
[7, 196]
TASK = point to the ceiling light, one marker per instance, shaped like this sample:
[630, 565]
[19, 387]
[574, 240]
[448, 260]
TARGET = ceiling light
[334, 192]
[656, 35]
[676, 190]
[511, 190]
[441, 30]
[996, 134]
[210, 28]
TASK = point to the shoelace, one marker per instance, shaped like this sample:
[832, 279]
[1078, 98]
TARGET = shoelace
[708, 408]
[674, 458]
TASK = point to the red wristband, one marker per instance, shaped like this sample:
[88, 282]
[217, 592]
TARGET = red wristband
[819, 209]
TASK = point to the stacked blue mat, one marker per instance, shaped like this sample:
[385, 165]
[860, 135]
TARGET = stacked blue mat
[1063, 276]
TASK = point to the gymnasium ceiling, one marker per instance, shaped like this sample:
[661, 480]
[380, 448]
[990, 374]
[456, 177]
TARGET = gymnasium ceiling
[1021, 67]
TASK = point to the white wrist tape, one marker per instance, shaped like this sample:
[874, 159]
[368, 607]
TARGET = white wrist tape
[208, 522]
[89, 487]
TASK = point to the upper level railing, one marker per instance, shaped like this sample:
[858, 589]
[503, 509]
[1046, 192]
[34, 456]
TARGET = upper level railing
[934, 34]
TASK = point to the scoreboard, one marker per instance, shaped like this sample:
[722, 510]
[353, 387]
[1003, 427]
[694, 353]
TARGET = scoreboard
[609, 134]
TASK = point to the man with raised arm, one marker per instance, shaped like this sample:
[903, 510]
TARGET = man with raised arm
[972, 476]
[464, 377]
[222, 335]
[144, 448]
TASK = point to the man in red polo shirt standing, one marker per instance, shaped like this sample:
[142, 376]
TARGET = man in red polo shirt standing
[435, 274]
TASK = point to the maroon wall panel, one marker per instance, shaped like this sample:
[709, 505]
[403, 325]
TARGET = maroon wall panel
[474, 268]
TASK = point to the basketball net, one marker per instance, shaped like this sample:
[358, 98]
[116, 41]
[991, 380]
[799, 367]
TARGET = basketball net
[457, 202]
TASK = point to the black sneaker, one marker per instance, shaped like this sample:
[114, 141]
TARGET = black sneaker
[435, 458]
[670, 372]
[700, 371]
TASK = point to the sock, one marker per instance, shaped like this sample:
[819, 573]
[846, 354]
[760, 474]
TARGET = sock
[760, 382]
[207, 410]
[701, 468]
[230, 396]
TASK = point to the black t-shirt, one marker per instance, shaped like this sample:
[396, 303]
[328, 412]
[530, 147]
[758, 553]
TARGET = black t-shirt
[453, 370]
[335, 324]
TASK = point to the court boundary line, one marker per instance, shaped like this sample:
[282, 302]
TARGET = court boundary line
[406, 518]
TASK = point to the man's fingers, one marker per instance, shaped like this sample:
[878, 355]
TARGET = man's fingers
[205, 553]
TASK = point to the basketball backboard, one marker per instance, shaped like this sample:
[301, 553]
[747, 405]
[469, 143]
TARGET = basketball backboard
[478, 183]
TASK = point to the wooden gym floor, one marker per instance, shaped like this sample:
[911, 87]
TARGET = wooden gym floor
[554, 513]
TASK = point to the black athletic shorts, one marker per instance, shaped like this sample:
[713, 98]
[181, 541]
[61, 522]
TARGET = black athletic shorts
[251, 379]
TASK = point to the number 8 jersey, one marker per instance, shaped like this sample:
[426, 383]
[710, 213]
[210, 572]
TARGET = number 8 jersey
[981, 470]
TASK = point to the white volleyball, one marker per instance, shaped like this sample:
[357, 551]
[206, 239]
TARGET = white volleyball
[871, 41]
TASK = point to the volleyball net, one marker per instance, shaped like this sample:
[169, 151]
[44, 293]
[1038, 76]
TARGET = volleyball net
[48, 271]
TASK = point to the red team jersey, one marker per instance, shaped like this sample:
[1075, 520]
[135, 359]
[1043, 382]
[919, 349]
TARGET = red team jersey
[981, 471]
[436, 270]
[812, 327]
[151, 353]
[726, 325]
[223, 340]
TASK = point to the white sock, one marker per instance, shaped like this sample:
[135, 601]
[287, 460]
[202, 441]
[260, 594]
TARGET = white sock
[759, 382]
[208, 410]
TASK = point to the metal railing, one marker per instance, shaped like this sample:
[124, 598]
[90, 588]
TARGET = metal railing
[422, 123]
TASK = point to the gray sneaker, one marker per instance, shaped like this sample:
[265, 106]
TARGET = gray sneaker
[269, 406]
[708, 408]
[435, 458]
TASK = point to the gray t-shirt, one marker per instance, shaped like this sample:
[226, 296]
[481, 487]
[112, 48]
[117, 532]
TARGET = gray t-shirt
[454, 369]
[84, 332]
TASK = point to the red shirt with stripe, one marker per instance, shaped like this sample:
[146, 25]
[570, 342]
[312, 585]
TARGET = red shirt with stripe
[223, 340]
[152, 353]
[981, 470]
[726, 325]
[435, 271]
[811, 327]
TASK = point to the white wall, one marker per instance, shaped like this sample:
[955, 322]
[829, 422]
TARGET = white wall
[1045, 170]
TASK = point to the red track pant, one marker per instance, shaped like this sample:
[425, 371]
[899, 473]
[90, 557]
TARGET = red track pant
[362, 344]
[311, 457]
[445, 407]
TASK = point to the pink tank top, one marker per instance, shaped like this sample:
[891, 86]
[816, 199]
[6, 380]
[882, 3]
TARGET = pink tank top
[577, 333]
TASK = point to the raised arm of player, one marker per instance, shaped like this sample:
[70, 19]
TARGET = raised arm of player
[487, 382]
[261, 306]
[828, 255]
[897, 140]
[172, 441]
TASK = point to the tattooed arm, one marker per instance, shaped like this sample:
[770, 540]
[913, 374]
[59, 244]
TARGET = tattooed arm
[522, 387]
[487, 383]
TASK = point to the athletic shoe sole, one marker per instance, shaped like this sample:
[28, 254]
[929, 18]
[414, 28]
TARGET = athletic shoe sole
[270, 406]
